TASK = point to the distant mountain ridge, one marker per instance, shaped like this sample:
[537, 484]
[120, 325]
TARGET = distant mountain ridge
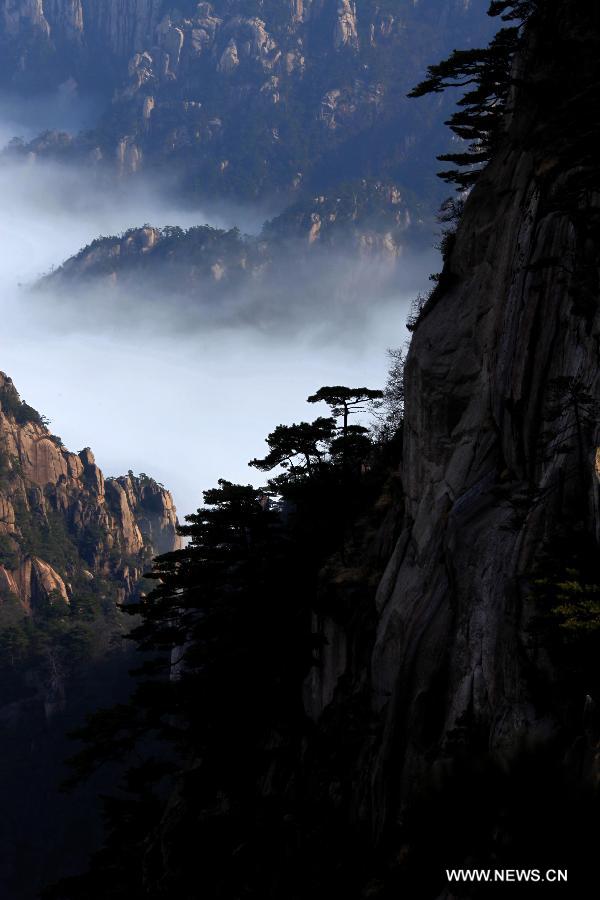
[354, 227]
[250, 99]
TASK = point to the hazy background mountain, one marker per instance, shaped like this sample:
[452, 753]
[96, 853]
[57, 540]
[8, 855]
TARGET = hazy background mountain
[134, 381]
[253, 99]
[137, 112]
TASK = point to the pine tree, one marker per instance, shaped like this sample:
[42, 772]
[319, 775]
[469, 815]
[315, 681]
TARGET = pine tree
[487, 73]
[227, 643]
[299, 448]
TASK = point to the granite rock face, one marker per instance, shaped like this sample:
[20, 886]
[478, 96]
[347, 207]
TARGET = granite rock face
[510, 334]
[58, 501]
[18, 17]
[114, 28]
[121, 27]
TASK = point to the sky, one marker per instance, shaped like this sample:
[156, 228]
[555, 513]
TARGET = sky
[186, 405]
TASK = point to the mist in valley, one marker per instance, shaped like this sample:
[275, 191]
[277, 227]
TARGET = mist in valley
[184, 393]
[24, 117]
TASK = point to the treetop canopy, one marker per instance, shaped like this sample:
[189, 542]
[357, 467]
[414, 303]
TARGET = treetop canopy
[336, 394]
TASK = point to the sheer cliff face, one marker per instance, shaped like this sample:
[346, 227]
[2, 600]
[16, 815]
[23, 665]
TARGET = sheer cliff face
[114, 26]
[62, 522]
[510, 336]
[124, 27]
[121, 27]
[46, 42]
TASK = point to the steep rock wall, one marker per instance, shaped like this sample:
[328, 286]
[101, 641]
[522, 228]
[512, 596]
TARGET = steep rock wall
[117, 27]
[487, 481]
[120, 26]
[500, 462]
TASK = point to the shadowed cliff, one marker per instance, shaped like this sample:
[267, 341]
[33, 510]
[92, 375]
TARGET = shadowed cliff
[483, 675]
[501, 426]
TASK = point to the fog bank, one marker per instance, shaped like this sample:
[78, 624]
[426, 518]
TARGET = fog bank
[189, 405]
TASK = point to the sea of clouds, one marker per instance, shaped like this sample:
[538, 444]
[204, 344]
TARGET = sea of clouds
[186, 398]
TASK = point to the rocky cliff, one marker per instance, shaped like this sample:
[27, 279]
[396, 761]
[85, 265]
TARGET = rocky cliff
[57, 39]
[63, 526]
[257, 99]
[497, 459]
[500, 479]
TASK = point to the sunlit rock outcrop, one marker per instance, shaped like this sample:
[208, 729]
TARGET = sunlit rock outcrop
[61, 521]
[346, 28]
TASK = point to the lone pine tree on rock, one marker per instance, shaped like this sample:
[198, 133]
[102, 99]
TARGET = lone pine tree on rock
[345, 401]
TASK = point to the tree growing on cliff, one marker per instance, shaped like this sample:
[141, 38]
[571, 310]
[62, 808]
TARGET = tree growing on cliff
[11, 404]
[509, 10]
[353, 443]
[300, 448]
[487, 73]
[574, 414]
[478, 120]
[389, 413]
[345, 401]
[227, 637]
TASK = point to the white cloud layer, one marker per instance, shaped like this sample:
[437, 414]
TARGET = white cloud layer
[187, 406]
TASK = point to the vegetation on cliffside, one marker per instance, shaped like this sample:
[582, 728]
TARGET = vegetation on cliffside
[332, 732]
[231, 627]
[73, 549]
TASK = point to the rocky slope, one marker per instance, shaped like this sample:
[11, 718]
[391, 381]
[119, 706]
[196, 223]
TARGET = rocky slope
[250, 98]
[63, 526]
